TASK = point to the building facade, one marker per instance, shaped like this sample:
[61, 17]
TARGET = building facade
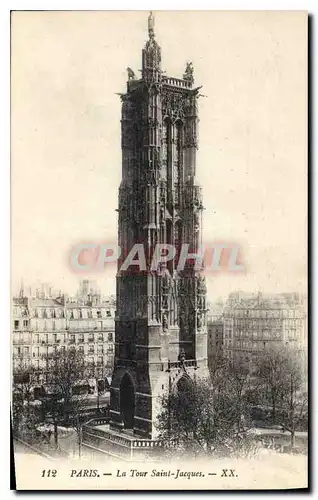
[161, 331]
[43, 325]
[215, 342]
[254, 322]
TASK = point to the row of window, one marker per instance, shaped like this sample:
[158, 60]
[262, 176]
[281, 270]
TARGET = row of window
[37, 352]
[61, 338]
[91, 338]
[53, 325]
[19, 324]
[71, 313]
[45, 378]
[275, 322]
[261, 313]
[248, 344]
[266, 334]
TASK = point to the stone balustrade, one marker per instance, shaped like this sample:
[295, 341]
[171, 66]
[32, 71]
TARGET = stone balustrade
[177, 82]
[188, 363]
[118, 445]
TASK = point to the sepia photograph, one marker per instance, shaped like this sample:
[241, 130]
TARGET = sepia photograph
[159, 291]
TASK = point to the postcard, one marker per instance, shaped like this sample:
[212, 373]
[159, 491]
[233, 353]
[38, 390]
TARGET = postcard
[159, 260]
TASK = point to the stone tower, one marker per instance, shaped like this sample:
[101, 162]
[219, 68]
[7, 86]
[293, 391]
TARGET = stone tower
[161, 313]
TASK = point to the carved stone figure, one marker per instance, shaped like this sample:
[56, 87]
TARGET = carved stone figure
[151, 25]
[188, 74]
[196, 223]
[182, 356]
[201, 286]
[199, 321]
[165, 283]
[164, 322]
[131, 74]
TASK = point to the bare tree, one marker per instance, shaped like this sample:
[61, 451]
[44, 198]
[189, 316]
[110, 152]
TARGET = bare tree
[294, 398]
[67, 374]
[272, 371]
[97, 371]
[199, 417]
[179, 422]
[25, 415]
[218, 368]
[239, 385]
[283, 371]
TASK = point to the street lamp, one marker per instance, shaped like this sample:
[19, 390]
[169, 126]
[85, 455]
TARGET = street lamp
[98, 392]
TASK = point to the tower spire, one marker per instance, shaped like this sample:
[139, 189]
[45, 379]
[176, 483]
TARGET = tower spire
[151, 54]
[161, 313]
[21, 289]
[151, 25]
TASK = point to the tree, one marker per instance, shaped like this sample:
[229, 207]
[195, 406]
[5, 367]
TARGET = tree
[239, 386]
[216, 361]
[283, 372]
[67, 373]
[218, 369]
[272, 371]
[199, 417]
[294, 395]
[97, 371]
[177, 420]
[26, 416]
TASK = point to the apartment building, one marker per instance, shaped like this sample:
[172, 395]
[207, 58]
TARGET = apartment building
[43, 324]
[253, 322]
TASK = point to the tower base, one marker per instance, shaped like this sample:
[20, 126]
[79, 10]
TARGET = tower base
[120, 445]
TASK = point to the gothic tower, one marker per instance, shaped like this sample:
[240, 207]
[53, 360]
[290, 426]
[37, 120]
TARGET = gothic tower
[160, 319]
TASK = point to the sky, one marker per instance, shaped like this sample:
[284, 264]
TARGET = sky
[66, 69]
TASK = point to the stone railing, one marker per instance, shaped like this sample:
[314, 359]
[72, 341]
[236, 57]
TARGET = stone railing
[177, 82]
[117, 445]
[98, 421]
[147, 443]
[105, 444]
[106, 435]
[188, 363]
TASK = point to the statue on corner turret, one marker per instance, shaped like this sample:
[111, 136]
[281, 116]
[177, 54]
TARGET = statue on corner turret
[188, 74]
[151, 25]
[131, 74]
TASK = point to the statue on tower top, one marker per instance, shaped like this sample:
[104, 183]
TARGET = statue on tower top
[151, 54]
[188, 74]
[151, 25]
[131, 74]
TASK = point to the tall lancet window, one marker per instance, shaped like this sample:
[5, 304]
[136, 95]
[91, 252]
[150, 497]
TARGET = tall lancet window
[178, 160]
[170, 241]
[165, 134]
[168, 142]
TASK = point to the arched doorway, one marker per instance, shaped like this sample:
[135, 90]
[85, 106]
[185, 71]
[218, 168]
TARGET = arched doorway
[127, 402]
